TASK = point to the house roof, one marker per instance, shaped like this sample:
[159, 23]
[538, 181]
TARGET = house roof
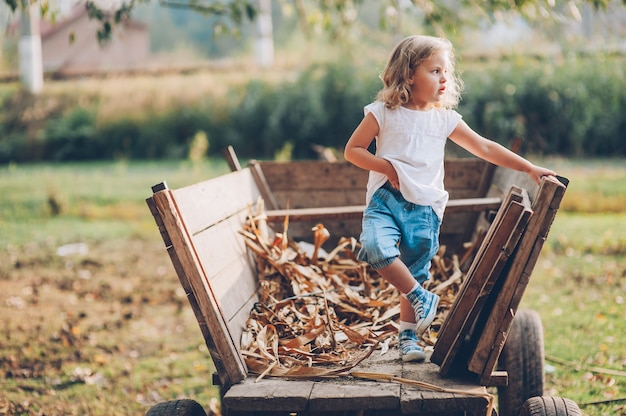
[48, 27]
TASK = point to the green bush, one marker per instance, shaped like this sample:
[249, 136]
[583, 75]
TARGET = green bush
[568, 108]
[68, 137]
[322, 107]
[571, 108]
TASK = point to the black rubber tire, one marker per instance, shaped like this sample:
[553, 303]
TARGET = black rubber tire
[523, 358]
[183, 407]
[549, 406]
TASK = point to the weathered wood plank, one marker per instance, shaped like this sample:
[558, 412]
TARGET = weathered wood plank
[491, 360]
[487, 265]
[231, 159]
[206, 203]
[303, 198]
[314, 176]
[467, 174]
[264, 187]
[453, 324]
[356, 211]
[415, 400]
[191, 275]
[461, 175]
[315, 214]
[268, 395]
[350, 395]
[525, 257]
[204, 329]
[347, 395]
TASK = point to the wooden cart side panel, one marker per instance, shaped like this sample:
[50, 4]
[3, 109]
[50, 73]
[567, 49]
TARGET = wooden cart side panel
[230, 272]
[215, 211]
[546, 204]
[478, 317]
[464, 178]
[190, 275]
[204, 329]
[474, 282]
[175, 208]
[315, 184]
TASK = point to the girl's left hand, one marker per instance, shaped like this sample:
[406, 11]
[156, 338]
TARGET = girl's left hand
[537, 172]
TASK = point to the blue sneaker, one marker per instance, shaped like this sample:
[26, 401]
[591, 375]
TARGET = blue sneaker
[410, 350]
[425, 306]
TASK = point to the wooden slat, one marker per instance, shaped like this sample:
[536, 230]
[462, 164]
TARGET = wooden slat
[351, 395]
[461, 175]
[221, 244]
[449, 333]
[204, 329]
[469, 176]
[312, 214]
[232, 159]
[268, 395]
[206, 203]
[487, 363]
[498, 378]
[473, 205]
[464, 310]
[509, 296]
[420, 401]
[263, 185]
[303, 198]
[356, 211]
[314, 176]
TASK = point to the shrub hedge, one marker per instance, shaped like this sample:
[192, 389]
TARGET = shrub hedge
[573, 107]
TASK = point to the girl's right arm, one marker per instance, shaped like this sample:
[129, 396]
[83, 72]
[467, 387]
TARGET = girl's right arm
[356, 150]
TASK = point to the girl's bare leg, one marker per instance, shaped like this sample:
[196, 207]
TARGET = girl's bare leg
[401, 278]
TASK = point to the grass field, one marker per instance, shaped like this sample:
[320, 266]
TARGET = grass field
[94, 321]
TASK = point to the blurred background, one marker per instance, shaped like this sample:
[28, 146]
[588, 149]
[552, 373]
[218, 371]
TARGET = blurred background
[291, 74]
[100, 100]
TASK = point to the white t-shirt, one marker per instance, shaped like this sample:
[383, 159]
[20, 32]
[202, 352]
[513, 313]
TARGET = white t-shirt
[413, 141]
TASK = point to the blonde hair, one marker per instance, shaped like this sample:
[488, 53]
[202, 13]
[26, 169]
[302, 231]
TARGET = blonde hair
[410, 53]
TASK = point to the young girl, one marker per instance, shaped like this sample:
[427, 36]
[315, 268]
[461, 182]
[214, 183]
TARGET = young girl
[411, 121]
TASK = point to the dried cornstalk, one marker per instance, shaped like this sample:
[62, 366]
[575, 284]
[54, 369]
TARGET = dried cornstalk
[320, 315]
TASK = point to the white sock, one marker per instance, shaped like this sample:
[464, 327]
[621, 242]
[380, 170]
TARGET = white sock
[407, 325]
[415, 286]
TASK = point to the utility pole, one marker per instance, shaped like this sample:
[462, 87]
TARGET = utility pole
[29, 47]
[264, 41]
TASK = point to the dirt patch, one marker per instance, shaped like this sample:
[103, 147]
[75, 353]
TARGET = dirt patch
[92, 320]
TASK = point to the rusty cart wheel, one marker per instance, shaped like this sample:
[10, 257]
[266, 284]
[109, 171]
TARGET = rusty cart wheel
[549, 406]
[183, 407]
[523, 358]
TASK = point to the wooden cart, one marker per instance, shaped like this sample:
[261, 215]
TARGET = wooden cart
[200, 227]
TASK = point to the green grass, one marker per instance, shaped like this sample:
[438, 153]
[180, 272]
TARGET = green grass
[72, 202]
[579, 288]
[131, 327]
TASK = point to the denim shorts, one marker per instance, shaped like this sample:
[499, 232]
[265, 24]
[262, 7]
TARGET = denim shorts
[393, 227]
